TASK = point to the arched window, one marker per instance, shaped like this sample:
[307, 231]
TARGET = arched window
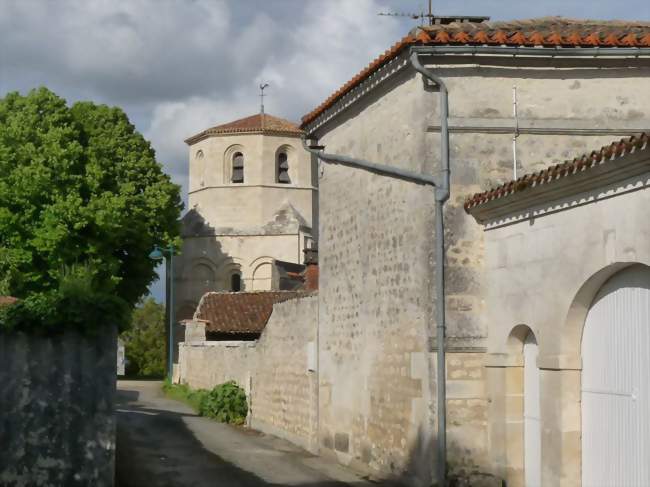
[283, 169]
[235, 283]
[237, 168]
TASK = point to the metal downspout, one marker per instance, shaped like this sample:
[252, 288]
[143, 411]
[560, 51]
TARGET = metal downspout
[382, 169]
[442, 195]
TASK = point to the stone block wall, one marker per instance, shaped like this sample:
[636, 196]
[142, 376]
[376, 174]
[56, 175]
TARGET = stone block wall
[203, 365]
[285, 388]
[277, 371]
[57, 422]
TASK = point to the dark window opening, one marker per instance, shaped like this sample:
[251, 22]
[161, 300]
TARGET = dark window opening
[237, 168]
[235, 283]
[283, 169]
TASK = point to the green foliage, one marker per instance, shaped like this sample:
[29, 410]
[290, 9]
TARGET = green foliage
[78, 184]
[75, 304]
[144, 341]
[226, 403]
[182, 392]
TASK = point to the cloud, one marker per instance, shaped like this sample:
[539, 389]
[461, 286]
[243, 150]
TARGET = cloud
[180, 66]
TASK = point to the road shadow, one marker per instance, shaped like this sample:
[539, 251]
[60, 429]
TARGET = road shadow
[156, 448]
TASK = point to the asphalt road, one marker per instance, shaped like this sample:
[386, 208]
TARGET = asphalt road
[163, 443]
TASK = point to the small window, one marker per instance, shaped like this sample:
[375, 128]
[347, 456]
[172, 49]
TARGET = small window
[237, 168]
[235, 283]
[199, 154]
[283, 169]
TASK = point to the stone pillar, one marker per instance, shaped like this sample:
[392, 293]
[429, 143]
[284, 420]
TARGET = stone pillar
[561, 420]
[505, 374]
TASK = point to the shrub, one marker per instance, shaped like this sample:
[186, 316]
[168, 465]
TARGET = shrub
[225, 403]
[77, 304]
[183, 392]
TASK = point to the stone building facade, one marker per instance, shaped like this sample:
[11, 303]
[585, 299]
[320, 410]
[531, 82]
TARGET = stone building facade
[580, 84]
[567, 266]
[252, 200]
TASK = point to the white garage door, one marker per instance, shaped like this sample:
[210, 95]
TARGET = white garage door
[615, 383]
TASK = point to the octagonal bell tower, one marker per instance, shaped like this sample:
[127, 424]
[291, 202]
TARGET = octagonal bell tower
[252, 199]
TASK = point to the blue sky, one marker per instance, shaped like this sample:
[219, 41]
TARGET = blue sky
[179, 66]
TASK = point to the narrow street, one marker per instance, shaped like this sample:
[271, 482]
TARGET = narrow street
[163, 443]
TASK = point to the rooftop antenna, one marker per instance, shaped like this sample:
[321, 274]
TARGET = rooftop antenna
[262, 87]
[414, 16]
[438, 19]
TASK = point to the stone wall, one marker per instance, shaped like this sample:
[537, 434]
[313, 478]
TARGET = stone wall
[546, 265]
[285, 387]
[57, 423]
[376, 240]
[277, 371]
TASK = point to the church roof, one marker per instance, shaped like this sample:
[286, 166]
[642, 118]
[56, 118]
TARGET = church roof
[261, 123]
[549, 34]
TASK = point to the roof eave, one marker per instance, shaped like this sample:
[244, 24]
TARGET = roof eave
[320, 115]
[207, 134]
[608, 172]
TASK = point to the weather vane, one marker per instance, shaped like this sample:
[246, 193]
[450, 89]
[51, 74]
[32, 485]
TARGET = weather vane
[262, 87]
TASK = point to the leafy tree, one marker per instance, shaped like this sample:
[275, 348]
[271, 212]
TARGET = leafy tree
[144, 341]
[79, 185]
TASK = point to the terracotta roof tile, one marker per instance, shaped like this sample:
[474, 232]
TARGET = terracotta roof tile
[245, 312]
[558, 171]
[545, 31]
[257, 124]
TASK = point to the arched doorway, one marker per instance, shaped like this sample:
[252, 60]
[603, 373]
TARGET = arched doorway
[532, 415]
[616, 382]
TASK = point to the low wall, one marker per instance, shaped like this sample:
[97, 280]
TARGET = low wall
[285, 385]
[277, 371]
[57, 422]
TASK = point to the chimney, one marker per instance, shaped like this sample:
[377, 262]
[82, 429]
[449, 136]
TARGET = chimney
[311, 269]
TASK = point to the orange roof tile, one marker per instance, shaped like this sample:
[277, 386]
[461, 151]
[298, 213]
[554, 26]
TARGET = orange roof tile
[261, 123]
[545, 32]
[555, 172]
[244, 312]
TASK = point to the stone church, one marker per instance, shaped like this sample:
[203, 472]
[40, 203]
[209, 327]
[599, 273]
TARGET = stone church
[252, 200]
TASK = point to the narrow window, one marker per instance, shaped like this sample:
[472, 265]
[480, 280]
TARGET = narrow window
[237, 168]
[283, 169]
[235, 283]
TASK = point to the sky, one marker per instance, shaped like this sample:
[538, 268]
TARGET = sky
[179, 66]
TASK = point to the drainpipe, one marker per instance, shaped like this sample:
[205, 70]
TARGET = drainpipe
[382, 169]
[442, 195]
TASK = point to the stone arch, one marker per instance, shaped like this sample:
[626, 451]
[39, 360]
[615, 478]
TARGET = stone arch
[262, 272]
[199, 165]
[577, 313]
[226, 269]
[291, 161]
[227, 161]
[524, 442]
[201, 264]
[516, 338]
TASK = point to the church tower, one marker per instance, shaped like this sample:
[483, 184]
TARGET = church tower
[252, 199]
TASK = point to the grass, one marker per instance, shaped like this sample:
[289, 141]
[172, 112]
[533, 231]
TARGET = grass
[183, 393]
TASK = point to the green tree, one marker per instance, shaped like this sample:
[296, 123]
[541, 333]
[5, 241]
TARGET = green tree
[144, 341]
[79, 185]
